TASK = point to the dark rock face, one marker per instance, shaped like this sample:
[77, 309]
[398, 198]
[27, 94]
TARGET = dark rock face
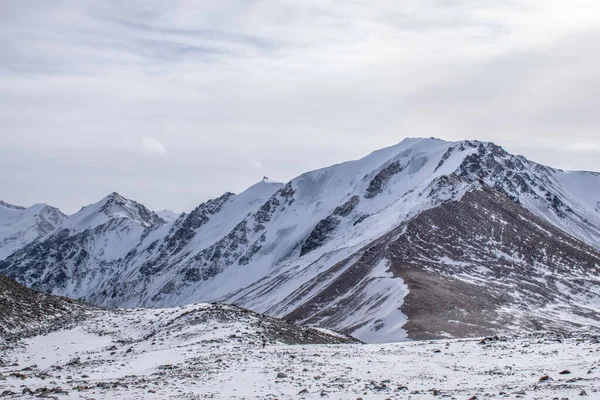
[504, 172]
[184, 231]
[349, 206]
[320, 235]
[325, 228]
[378, 182]
[283, 198]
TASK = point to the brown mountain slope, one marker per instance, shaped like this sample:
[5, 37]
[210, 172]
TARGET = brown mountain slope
[516, 271]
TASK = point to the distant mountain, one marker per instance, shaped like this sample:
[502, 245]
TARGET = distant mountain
[168, 215]
[419, 240]
[20, 226]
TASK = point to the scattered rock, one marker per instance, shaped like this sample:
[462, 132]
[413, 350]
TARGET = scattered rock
[74, 361]
[565, 372]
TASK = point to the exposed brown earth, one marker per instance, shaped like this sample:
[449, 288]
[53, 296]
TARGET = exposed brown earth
[512, 265]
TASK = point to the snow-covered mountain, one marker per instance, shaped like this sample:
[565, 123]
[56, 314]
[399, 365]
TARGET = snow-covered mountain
[423, 239]
[168, 215]
[20, 226]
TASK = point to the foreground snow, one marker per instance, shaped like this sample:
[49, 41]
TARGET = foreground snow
[188, 354]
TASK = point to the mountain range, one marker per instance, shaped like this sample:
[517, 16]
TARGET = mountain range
[424, 239]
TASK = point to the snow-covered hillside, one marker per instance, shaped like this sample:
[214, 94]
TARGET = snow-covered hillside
[20, 226]
[489, 241]
[201, 352]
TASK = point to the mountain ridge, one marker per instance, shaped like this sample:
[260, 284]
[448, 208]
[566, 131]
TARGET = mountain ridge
[278, 248]
[21, 225]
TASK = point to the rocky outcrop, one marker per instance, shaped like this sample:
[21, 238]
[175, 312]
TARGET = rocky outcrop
[326, 227]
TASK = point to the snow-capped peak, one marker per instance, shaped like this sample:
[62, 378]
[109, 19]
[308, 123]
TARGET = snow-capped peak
[113, 206]
[20, 225]
[329, 244]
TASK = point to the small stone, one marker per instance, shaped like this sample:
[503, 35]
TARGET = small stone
[74, 361]
[281, 375]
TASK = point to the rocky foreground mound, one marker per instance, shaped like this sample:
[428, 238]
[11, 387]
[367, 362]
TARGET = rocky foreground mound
[25, 312]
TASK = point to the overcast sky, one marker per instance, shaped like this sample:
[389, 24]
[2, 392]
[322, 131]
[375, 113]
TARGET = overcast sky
[173, 102]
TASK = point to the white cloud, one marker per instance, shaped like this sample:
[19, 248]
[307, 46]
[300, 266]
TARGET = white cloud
[151, 145]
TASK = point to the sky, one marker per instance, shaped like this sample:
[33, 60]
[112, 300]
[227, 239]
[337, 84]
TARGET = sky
[174, 102]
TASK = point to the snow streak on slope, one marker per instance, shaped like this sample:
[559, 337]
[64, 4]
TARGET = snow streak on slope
[20, 225]
[313, 249]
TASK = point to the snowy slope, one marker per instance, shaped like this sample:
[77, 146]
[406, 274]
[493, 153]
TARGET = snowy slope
[332, 247]
[20, 225]
[201, 352]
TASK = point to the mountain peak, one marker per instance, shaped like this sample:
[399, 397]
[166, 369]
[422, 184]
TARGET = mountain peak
[266, 179]
[20, 225]
[389, 229]
[112, 206]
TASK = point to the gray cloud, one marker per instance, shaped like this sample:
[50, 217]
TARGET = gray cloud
[296, 85]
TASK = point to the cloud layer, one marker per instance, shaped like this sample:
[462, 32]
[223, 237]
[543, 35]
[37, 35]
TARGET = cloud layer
[296, 85]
